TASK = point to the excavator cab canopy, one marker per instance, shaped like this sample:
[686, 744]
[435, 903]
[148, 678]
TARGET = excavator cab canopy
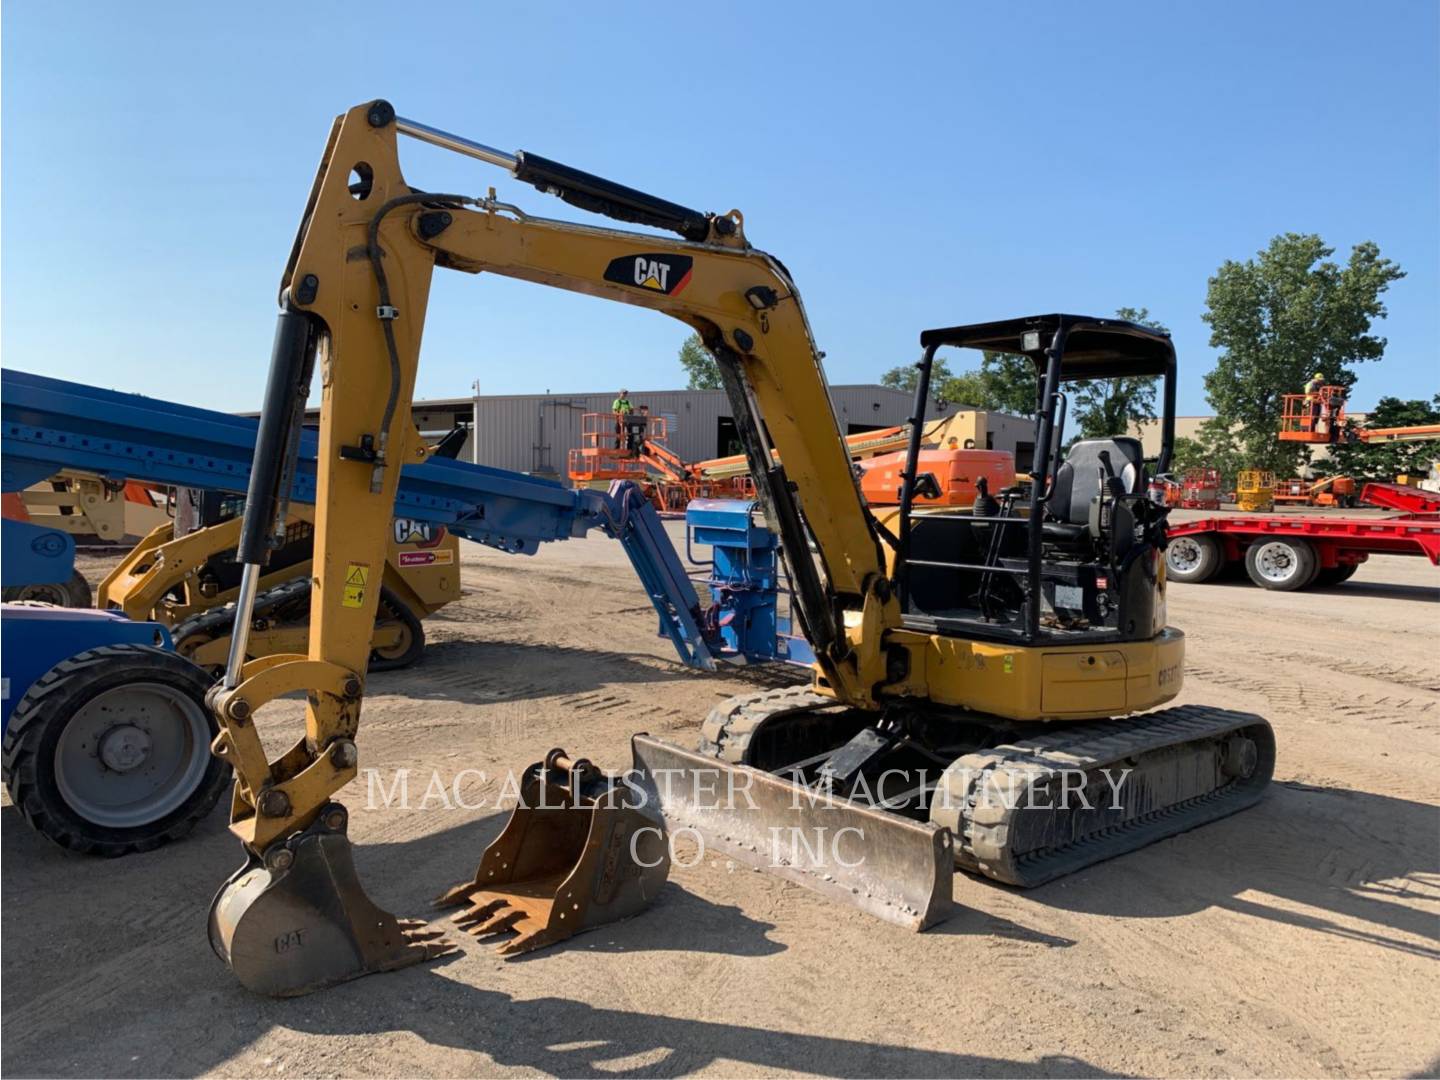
[1076, 347]
[1052, 561]
[1092, 348]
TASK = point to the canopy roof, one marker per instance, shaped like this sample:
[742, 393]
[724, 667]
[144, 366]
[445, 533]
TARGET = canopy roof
[1094, 348]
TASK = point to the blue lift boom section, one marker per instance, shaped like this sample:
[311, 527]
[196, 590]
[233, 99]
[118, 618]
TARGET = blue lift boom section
[49, 425]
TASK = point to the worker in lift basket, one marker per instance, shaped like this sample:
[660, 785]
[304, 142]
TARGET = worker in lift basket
[1312, 399]
[622, 408]
[637, 426]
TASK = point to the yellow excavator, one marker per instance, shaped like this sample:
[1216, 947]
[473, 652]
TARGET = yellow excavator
[979, 661]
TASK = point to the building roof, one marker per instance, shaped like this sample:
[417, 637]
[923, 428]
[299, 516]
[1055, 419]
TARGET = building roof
[440, 403]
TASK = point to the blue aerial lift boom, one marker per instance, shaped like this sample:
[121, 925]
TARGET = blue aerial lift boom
[106, 745]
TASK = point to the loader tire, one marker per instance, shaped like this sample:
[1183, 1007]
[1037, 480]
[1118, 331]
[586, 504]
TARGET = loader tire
[74, 593]
[108, 752]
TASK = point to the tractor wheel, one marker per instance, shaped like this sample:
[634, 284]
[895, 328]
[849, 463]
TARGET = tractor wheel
[109, 751]
[1282, 565]
[1193, 558]
[73, 593]
[1331, 576]
[393, 611]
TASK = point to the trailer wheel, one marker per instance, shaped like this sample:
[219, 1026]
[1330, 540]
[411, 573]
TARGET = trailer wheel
[1282, 565]
[1330, 576]
[109, 751]
[73, 593]
[1193, 558]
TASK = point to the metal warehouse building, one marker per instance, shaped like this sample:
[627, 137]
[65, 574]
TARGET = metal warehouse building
[534, 433]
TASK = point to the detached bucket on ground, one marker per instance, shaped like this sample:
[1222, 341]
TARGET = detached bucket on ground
[579, 851]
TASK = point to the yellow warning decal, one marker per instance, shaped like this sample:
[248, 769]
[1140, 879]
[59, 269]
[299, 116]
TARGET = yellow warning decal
[357, 577]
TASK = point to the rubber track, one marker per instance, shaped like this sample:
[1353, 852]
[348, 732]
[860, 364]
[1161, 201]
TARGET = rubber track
[986, 822]
[222, 618]
[727, 729]
[219, 621]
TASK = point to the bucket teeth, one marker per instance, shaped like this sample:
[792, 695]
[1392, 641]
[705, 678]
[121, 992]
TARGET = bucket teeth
[528, 942]
[498, 923]
[480, 909]
[460, 894]
[423, 938]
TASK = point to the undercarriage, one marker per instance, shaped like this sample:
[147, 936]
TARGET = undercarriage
[1025, 802]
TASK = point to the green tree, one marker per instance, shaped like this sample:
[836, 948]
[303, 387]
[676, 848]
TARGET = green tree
[907, 377]
[1008, 383]
[1214, 447]
[1278, 319]
[1188, 454]
[1385, 461]
[699, 365]
[1104, 407]
[1002, 383]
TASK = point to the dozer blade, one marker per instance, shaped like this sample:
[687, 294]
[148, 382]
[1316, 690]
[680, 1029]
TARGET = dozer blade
[298, 920]
[889, 866]
[580, 850]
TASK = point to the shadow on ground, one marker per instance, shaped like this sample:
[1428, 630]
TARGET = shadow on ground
[104, 962]
[121, 1020]
[1336, 852]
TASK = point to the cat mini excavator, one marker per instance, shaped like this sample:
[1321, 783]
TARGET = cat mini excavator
[972, 655]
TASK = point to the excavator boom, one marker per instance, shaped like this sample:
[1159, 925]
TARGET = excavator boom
[353, 300]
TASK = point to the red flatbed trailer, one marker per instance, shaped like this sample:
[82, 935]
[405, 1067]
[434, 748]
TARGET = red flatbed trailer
[1296, 551]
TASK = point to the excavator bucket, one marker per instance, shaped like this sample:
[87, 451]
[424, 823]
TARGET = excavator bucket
[892, 867]
[580, 850]
[298, 920]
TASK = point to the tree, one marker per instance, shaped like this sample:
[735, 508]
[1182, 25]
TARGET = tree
[1385, 461]
[1214, 447]
[1189, 454]
[907, 377]
[1003, 383]
[1105, 407]
[1008, 383]
[699, 365]
[1278, 319]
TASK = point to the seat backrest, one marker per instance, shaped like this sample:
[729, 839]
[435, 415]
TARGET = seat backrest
[1079, 477]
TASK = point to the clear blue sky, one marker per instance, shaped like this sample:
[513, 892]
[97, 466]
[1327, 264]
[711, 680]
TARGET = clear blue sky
[914, 165]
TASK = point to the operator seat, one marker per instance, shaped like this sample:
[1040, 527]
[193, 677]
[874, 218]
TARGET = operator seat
[1080, 478]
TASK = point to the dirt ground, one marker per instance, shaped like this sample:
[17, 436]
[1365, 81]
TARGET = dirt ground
[1297, 939]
